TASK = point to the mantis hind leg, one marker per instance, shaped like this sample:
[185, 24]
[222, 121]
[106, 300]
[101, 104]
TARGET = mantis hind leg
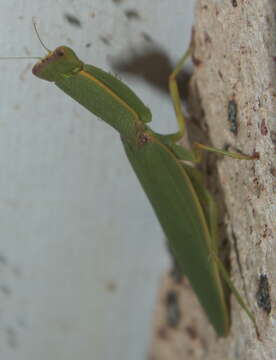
[224, 274]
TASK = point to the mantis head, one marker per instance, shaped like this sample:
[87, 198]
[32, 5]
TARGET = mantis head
[57, 64]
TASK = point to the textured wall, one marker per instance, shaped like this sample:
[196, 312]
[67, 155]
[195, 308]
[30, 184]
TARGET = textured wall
[233, 97]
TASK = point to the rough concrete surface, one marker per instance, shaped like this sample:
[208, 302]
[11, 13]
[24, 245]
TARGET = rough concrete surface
[233, 93]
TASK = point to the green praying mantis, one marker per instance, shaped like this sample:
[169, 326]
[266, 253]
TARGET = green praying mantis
[184, 207]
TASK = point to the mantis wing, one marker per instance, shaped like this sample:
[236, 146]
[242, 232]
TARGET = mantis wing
[180, 214]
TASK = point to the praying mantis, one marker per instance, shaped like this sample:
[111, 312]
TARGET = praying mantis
[184, 207]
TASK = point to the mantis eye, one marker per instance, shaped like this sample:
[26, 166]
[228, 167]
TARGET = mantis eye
[59, 52]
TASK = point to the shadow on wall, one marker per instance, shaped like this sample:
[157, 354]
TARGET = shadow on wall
[153, 65]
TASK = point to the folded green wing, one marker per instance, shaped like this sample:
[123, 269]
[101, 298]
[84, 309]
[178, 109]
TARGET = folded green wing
[178, 209]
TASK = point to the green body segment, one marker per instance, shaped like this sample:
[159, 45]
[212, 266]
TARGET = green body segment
[103, 104]
[181, 216]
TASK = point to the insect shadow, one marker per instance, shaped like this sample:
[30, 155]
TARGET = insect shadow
[153, 65]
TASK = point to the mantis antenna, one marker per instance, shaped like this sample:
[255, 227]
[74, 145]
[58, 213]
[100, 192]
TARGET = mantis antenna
[39, 38]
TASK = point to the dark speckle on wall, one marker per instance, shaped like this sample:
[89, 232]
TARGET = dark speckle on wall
[11, 337]
[72, 20]
[146, 37]
[106, 40]
[3, 259]
[173, 309]
[132, 14]
[263, 294]
[264, 129]
[232, 116]
[5, 289]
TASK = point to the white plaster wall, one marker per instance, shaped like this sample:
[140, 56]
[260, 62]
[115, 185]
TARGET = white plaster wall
[81, 252]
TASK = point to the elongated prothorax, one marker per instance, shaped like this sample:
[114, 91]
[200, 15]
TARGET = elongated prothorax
[100, 92]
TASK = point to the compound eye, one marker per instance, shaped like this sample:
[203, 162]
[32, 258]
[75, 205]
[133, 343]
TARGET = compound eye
[59, 52]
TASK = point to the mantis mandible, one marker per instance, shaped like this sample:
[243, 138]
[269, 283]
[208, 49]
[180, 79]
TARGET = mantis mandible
[184, 207]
